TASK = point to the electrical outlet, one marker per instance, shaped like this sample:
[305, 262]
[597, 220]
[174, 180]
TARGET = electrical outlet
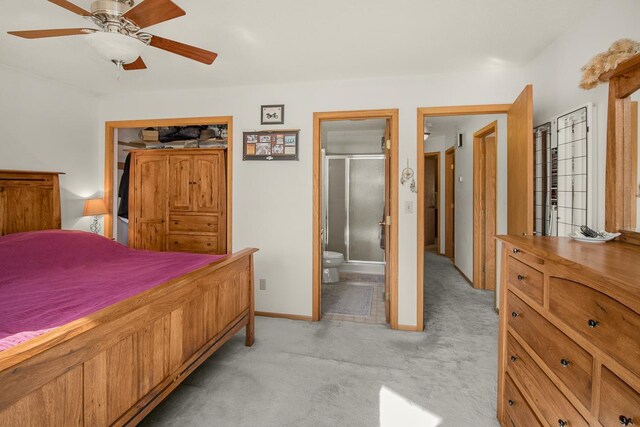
[263, 284]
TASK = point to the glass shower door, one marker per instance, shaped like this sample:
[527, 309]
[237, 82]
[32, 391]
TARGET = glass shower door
[366, 209]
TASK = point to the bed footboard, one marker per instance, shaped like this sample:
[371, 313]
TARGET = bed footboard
[114, 367]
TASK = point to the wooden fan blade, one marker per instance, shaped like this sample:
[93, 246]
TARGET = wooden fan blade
[151, 12]
[41, 34]
[191, 52]
[71, 7]
[138, 64]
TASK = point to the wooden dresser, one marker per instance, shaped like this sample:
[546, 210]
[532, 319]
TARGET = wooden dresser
[569, 350]
[29, 201]
[177, 200]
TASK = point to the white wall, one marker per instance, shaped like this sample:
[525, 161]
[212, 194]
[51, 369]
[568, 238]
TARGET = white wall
[279, 194]
[52, 127]
[555, 73]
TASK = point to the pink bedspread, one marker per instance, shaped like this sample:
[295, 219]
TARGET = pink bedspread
[50, 278]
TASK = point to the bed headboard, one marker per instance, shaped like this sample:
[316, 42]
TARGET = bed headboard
[29, 201]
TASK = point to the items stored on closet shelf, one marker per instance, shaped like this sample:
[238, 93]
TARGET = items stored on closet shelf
[201, 136]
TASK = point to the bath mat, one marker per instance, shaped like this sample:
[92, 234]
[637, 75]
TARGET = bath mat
[342, 298]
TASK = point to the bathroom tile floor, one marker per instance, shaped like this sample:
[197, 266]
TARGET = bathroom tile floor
[377, 305]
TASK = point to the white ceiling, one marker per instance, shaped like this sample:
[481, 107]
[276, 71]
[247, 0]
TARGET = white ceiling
[279, 41]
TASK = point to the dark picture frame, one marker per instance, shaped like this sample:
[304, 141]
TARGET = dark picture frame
[271, 145]
[272, 114]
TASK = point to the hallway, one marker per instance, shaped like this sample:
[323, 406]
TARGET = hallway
[339, 373]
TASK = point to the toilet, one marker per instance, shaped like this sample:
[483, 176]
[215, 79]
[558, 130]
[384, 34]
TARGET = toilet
[330, 263]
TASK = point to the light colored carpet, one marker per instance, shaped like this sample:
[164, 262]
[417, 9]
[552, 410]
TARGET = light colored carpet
[344, 298]
[336, 373]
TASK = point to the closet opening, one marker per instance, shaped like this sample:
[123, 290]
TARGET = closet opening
[355, 241]
[168, 184]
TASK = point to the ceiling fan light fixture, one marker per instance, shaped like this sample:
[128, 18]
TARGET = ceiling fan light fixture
[115, 47]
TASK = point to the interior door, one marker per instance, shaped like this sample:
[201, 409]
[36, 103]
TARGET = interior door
[520, 165]
[449, 198]
[490, 205]
[385, 221]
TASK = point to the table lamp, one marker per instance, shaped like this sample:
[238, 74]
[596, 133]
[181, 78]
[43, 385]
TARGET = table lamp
[95, 208]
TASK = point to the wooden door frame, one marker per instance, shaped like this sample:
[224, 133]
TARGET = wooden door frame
[392, 264]
[449, 222]
[109, 144]
[436, 154]
[423, 113]
[480, 204]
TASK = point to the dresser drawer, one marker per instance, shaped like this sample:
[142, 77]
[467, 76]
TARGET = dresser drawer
[549, 400]
[618, 401]
[602, 320]
[193, 243]
[526, 279]
[570, 362]
[528, 258]
[194, 223]
[518, 410]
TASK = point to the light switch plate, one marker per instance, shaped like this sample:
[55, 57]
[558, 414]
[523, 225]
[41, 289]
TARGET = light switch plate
[263, 284]
[408, 207]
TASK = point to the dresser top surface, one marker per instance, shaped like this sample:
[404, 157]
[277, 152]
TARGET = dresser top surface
[617, 260]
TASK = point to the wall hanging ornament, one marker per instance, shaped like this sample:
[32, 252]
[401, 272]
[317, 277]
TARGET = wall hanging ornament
[408, 175]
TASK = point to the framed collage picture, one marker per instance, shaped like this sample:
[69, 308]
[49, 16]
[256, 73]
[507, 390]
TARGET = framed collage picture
[271, 145]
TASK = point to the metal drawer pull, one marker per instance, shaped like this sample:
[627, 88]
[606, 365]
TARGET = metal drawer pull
[593, 323]
[520, 277]
[565, 363]
[511, 403]
[515, 314]
[624, 421]
[562, 423]
[516, 250]
[514, 358]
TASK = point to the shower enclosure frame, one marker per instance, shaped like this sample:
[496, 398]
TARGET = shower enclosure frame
[347, 186]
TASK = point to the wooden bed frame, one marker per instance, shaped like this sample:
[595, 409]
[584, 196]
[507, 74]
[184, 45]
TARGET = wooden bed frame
[114, 366]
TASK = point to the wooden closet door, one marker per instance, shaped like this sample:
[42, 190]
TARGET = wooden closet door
[210, 183]
[151, 202]
[180, 179]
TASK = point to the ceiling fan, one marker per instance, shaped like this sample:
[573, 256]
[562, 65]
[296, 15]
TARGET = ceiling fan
[120, 38]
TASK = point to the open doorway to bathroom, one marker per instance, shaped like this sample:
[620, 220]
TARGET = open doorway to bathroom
[355, 235]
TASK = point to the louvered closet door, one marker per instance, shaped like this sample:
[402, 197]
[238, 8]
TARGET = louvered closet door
[151, 202]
